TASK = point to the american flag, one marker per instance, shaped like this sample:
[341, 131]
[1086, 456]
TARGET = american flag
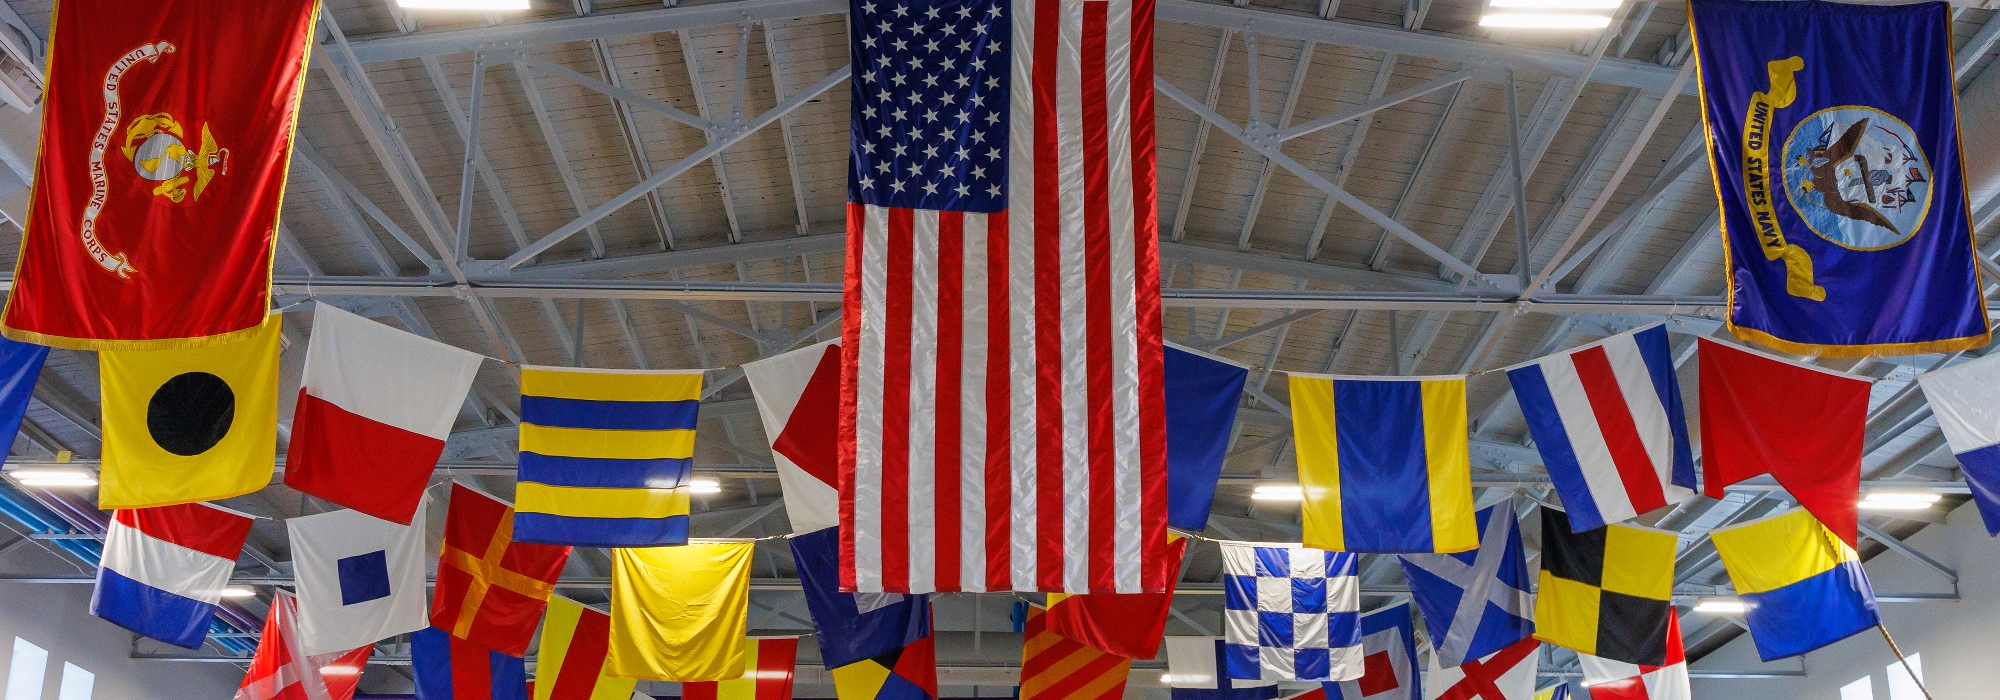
[1001, 411]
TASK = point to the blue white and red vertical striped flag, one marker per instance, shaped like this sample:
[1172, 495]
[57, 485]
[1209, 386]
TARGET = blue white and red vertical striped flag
[164, 569]
[1002, 416]
[1608, 421]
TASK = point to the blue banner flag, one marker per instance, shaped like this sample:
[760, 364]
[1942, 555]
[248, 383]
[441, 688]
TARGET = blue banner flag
[1475, 603]
[875, 645]
[1833, 137]
[1202, 395]
[21, 365]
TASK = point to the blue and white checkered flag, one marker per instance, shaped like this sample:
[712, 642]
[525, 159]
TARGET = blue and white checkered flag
[1291, 613]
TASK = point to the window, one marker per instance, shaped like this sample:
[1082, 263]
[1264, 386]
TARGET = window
[1858, 690]
[1901, 685]
[24, 673]
[76, 683]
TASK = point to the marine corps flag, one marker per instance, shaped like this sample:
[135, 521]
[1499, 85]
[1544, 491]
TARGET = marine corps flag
[1833, 136]
[166, 137]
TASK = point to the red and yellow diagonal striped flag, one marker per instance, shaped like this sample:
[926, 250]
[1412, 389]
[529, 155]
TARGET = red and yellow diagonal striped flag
[571, 660]
[767, 674]
[1054, 667]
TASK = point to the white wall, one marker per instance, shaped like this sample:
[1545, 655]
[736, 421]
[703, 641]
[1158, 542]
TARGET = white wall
[1955, 638]
[56, 617]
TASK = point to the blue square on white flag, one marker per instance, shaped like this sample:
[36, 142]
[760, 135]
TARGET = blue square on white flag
[363, 577]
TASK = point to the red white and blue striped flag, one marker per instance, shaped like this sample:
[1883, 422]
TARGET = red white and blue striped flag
[1002, 414]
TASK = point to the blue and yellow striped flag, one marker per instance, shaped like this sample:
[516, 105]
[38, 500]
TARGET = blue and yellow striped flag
[1802, 586]
[605, 456]
[1384, 463]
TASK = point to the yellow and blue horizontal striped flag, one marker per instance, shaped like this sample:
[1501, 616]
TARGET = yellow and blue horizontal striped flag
[1384, 463]
[1802, 586]
[606, 456]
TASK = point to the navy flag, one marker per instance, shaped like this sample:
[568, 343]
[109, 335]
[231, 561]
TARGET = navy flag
[1833, 136]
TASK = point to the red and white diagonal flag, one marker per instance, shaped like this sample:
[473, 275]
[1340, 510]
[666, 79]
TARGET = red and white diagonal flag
[798, 396]
[1002, 416]
[1617, 680]
[282, 671]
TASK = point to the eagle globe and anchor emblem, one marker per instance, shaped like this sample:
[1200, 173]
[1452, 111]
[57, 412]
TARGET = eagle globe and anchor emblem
[1857, 177]
[160, 149]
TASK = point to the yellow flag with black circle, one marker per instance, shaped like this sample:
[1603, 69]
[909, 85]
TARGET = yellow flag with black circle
[182, 426]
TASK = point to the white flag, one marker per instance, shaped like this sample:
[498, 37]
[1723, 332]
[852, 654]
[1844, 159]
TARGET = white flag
[360, 579]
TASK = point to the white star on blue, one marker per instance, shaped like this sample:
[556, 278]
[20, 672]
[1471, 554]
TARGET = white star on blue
[930, 101]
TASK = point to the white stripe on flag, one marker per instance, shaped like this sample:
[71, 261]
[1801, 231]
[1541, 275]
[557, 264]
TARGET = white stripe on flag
[1586, 439]
[1656, 431]
[972, 411]
[868, 405]
[922, 515]
[1074, 389]
[1021, 295]
[1129, 461]
[164, 565]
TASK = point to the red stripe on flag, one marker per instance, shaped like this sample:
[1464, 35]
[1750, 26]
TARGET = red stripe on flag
[346, 458]
[576, 679]
[950, 360]
[1621, 434]
[775, 658]
[195, 526]
[1146, 234]
[471, 670]
[697, 690]
[999, 412]
[850, 356]
[1099, 423]
[1047, 238]
[895, 528]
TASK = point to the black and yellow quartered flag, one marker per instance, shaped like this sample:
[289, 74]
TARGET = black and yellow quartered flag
[1606, 592]
[182, 426]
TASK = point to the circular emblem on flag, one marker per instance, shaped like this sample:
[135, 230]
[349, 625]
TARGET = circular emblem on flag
[190, 413]
[1857, 177]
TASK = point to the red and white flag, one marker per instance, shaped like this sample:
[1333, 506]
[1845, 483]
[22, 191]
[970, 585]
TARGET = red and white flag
[1617, 680]
[281, 671]
[1002, 417]
[798, 395]
[1507, 674]
[373, 414]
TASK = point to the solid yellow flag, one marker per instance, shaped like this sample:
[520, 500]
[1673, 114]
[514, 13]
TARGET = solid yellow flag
[680, 613]
[182, 426]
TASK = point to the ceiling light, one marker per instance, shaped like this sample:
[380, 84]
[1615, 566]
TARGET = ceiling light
[704, 486]
[1185, 679]
[342, 670]
[1732, 606]
[1557, 4]
[1898, 500]
[462, 4]
[238, 592]
[1544, 20]
[53, 477]
[1278, 492]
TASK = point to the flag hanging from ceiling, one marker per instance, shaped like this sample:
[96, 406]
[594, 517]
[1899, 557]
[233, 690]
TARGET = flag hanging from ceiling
[282, 670]
[491, 589]
[1475, 602]
[680, 613]
[798, 396]
[1608, 421]
[1127, 624]
[569, 664]
[1559, 691]
[20, 367]
[1617, 680]
[1507, 674]
[1966, 401]
[875, 645]
[360, 579]
[1203, 392]
[767, 674]
[189, 425]
[1197, 670]
[1833, 132]
[1606, 592]
[606, 456]
[1385, 463]
[449, 668]
[166, 140]
[1801, 424]
[1804, 588]
[1389, 659]
[1055, 667]
[1002, 422]
[374, 409]
[1290, 613]
[164, 569]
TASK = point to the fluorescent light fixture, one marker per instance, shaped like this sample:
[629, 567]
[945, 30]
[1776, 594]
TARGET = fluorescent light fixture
[1558, 4]
[1544, 20]
[1733, 606]
[704, 486]
[462, 4]
[53, 477]
[340, 670]
[1170, 679]
[1898, 500]
[1278, 492]
[238, 592]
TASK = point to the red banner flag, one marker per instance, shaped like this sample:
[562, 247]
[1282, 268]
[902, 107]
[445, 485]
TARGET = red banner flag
[166, 139]
[491, 589]
[1801, 424]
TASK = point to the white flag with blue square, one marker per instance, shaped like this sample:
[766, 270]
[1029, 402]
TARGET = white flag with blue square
[1291, 613]
[360, 579]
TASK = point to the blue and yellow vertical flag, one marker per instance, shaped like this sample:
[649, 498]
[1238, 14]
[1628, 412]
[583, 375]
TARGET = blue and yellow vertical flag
[1802, 586]
[1384, 463]
[606, 456]
[1833, 137]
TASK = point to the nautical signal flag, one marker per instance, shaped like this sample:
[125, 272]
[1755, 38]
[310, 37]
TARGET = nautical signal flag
[1606, 592]
[1801, 424]
[1475, 602]
[798, 396]
[1966, 401]
[1617, 680]
[1608, 421]
[449, 668]
[373, 413]
[166, 141]
[1803, 587]
[1203, 392]
[491, 589]
[1507, 674]
[164, 569]
[191, 424]
[680, 613]
[20, 367]
[1197, 670]
[1389, 659]
[877, 646]
[1290, 613]
[282, 670]
[606, 456]
[569, 665]
[1127, 624]
[1385, 463]
[1055, 667]
[360, 579]
[767, 674]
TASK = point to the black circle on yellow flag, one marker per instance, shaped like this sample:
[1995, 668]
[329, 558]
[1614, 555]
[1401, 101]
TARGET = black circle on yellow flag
[190, 413]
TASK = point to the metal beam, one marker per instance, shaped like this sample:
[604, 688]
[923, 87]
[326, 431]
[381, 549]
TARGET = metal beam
[1375, 105]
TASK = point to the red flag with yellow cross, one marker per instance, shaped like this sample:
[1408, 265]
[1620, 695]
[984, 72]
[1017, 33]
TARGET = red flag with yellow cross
[490, 589]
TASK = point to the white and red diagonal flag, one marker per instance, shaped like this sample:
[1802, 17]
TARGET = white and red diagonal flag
[282, 671]
[1002, 415]
[1617, 680]
[798, 396]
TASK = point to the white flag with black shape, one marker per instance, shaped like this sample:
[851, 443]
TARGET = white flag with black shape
[360, 579]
